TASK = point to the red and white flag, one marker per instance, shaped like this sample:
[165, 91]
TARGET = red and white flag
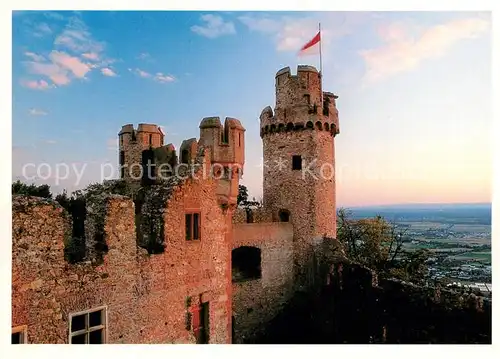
[312, 47]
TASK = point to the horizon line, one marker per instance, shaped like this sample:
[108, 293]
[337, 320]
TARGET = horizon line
[415, 204]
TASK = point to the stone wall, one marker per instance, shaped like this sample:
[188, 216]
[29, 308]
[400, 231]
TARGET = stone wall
[257, 215]
[147, 297]
[353, 306]
[257, 301]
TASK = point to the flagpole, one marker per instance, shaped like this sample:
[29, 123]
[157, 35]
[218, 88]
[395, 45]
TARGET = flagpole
[320, 65]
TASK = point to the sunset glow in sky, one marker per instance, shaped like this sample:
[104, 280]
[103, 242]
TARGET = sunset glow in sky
[414, 91]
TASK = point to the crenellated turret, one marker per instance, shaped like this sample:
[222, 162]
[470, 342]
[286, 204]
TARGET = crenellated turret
[299, 104]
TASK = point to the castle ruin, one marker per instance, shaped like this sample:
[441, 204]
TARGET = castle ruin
[173, 260]
[164, 254]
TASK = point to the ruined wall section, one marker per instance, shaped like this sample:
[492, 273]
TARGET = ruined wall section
[145, 295]
[254, 215]
[257, 301]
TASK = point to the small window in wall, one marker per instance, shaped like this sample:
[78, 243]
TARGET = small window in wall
[307, 99]
[193, 226]
[284, 215]
[296, 163]
[19, 335]
[239, 139]
[185, 156]
[246, 263]
[249, 215]
[88, 327]
[150, 139]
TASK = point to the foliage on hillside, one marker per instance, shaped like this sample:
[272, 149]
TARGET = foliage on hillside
[378, 244]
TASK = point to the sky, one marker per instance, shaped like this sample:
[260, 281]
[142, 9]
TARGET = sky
[414, 93]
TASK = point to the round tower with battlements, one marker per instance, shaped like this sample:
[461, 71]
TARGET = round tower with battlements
[299, 158]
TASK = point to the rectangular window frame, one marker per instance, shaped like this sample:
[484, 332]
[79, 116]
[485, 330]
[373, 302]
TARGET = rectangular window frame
[88, 329]
[23, 329]
[190, 228]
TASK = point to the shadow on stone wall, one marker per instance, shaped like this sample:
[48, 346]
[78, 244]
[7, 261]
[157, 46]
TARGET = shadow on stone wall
[350, 305]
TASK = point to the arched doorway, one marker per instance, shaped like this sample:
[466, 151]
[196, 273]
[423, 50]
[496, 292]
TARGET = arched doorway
[246, 264]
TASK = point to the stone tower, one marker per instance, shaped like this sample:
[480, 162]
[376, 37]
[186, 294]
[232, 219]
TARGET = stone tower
[299, 157]
[136, 148]
[226, 144]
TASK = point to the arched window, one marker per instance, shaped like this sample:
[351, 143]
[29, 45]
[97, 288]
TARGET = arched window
[284, 215]
[319, 126]
[245, 263]
[289, 126]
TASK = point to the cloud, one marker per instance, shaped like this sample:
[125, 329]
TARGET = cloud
[37, 112]
[37, 85]
[42, 29]
[403, 50]
[71, 63]
[91, 56]
[76, 53]
[51, 142]
[106, 71]
[291, 33]
[144, 56]
[54, 15]
[159, 77]
[77, 38]
[214, 27]
[60, 69]
[140, 73]
[35, 57]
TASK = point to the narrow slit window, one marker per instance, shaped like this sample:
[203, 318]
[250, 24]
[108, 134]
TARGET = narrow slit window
[193, 226]
[296, 163]
[196, 226]
[189, 217]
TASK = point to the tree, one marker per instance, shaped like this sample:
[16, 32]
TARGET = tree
[31, 190]
[242, 194]
[243, 201]
[378, 244]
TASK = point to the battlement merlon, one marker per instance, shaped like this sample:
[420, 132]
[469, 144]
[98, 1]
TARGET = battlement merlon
[302, 89]
[225, 142]
[330, 104]
[146, 135]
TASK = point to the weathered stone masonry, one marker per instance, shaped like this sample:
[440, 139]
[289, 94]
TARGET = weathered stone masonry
[154, 297]
[147, 298]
